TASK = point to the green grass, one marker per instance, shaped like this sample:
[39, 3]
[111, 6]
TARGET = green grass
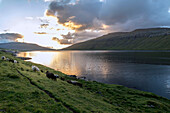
[145, 43]
[152, 39]
[17, 94]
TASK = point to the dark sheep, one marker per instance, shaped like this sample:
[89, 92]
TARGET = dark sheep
[11, 60]
[42, 71]
[75, 83]
[69, 81]
[63, 79]
[79, 84]
[51, 75]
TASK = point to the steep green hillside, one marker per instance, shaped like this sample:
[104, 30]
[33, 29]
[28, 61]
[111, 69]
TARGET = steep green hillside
[25, 91]
[142, 39]
[23, 46]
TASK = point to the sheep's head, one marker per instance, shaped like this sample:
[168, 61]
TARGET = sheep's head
[47, 72]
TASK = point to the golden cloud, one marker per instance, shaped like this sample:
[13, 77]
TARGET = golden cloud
[72, 25]
[63, 41]
[40, 33]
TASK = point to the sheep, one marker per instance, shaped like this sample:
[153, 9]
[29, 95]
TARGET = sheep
[3, 57]
[42, 71]
[57, 76]
[79, 84]
[63, 79]
[15, 61]
[35, 68]
[51, 75]
[75, 83]
[7, 59]
[11, 60]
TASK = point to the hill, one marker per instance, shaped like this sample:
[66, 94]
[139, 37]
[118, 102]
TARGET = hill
[23, 90]
[23, 46]
[141, 39]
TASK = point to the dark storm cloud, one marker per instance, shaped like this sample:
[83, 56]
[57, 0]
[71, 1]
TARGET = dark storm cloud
[56, 6]
[132, 14]
[10, 36]
[119, 15]
[136, 13]
[84, 12]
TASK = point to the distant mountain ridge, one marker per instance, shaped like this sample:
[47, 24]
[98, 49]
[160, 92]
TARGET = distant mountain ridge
[23, 46]
[140, 39]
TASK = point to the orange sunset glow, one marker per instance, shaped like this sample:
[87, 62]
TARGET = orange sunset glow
[44, 36]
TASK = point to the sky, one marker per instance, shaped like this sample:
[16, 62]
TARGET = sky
[61, 23]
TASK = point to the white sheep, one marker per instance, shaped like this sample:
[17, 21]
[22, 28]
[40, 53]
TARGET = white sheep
[3, 57]
[35, 68]
[15, 61]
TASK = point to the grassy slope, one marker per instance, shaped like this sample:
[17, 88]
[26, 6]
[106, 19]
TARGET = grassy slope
[136, 40]
[17, 94]
[24, 46]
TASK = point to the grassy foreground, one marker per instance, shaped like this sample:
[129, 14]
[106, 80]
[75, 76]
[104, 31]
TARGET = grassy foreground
[25, 91]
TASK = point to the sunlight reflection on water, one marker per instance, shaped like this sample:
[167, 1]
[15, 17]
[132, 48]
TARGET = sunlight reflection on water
[104, 66]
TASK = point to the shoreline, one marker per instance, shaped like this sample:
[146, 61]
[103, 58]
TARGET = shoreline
[103, 97]
[29, 58]
[136, 62]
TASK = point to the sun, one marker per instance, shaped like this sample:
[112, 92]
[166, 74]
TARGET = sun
[43, 33]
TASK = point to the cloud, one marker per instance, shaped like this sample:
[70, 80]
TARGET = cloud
[48, 0]
[86, 35]
[108, 16]
[132, 14]
[63, 41]
[68, 36]
[80, 36]
[83, 12]
[40, 33]
[44, 25]
[29, 18]
[8, 37]
[142, 13]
